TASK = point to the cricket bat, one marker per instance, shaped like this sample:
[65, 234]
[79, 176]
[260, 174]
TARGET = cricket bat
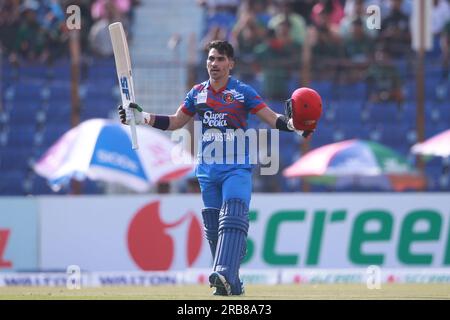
[123, 67]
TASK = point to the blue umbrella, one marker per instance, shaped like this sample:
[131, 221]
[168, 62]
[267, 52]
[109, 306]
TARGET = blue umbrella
[100, 149]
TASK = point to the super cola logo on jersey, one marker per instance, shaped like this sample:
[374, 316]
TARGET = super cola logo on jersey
[215, 119]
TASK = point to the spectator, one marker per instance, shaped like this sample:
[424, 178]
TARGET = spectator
[358, 47]
[50, 14]
[304, 8]
[440, 16]
[248, 33]
[297, 22]
[443, 87]
[395, 36]
[99, 38]
[9, 23]
[259, 9]
[51, 18]
[215, 6]
[383, 79]
[220, 13]
[216, 32]
[326, 47]
[102, 9]
[30, 41]
[332, 8]
[277, 56]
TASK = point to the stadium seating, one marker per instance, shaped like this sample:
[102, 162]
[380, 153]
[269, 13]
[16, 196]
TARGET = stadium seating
[37, 111]
[11, 183]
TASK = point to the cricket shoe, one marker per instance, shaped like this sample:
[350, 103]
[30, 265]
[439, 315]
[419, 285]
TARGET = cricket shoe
[223, 292]
[219, 282]
[222, 287]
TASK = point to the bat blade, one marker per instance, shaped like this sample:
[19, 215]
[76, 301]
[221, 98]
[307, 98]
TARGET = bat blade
[124, 73]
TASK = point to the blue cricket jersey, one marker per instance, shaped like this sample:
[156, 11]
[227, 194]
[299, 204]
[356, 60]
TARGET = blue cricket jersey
[221, 113]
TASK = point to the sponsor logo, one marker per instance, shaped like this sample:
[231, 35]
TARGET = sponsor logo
[4, 235]
[124, 87]
[417, 227]
[151, 245]
[131, 279]
[117, 160]
[215, 119]
[33, 280]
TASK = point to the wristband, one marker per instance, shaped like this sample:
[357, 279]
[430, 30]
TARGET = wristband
[282, 124]
[161, 122]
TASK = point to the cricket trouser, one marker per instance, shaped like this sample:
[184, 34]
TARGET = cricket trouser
[226, 192]
[219, 183]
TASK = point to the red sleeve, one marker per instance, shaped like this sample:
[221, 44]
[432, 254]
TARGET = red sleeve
[186, 111]
[258, 107]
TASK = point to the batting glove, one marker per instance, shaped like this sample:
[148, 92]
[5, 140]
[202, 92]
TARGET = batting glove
[305, 134]
[133, 111]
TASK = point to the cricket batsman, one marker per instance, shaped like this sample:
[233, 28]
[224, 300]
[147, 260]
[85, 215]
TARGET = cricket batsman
[223, 102]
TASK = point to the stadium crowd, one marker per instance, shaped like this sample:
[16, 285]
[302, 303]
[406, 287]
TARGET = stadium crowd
[36, 30]
[331, 46]
[280, 45]
[274, 38]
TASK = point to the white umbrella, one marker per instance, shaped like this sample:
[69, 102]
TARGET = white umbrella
[100, 149]
[437, 145]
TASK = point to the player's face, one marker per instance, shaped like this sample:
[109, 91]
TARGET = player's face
[218, 65]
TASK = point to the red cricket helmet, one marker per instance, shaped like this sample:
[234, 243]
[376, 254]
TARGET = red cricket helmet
[305, 108]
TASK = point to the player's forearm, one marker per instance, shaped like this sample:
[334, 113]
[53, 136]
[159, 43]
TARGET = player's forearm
[157, 121]
[174, 123]
[163, 122]
[273, 119]
[268, 116]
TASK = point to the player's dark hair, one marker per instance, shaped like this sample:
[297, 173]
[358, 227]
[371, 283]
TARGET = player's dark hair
[224, 47]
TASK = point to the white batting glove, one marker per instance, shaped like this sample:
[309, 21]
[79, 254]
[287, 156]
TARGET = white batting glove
[133, 111]
[290, 126]
[304, 133]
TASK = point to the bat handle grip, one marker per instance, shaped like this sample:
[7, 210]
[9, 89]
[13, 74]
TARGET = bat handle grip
[134, 143]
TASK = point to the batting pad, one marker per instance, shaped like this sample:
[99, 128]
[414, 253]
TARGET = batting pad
[233, 229]
[211, 227]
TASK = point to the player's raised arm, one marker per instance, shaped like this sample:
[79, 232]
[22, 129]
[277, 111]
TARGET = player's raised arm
[274, 120]
[163, 122]
[279, 121]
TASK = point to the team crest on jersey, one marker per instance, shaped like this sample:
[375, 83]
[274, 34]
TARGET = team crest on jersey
[228, 97]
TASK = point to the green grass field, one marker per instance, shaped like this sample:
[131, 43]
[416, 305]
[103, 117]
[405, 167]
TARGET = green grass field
[259, 292]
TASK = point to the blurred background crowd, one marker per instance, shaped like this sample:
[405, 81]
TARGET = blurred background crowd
[274, 39]
[36, 30]
[366, 76]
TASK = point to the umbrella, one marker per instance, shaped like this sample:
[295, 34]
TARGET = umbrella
[100, 149]
[357, 161]
[437, 145]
